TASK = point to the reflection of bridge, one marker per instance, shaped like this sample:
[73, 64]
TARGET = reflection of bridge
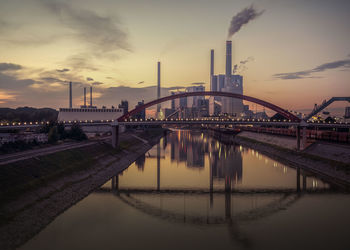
[281, 199]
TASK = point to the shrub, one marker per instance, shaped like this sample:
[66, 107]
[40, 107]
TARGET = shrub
[77, 133]
[53, 135]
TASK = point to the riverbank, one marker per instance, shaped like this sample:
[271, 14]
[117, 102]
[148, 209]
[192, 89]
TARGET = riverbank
[334, 168]
[35, 191]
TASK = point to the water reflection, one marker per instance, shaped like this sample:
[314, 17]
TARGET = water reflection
[233, 202]
[186, 159]
[192, 192]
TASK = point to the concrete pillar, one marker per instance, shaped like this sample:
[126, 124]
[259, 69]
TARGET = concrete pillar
[298, 179]
[115, 182]
[115, 134]
[158, 167]
[298, 138]
[211, 185]
[228, 184]
[228, 205]
[304, 138]
[304, 182]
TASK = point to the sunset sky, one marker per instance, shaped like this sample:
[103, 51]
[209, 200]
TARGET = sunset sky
[298, 51]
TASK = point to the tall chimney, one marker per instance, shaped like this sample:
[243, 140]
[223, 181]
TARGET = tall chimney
[211, 63]
[70, 95]
[91, 96]
[158, 89]
[228, 59]
[84, 96]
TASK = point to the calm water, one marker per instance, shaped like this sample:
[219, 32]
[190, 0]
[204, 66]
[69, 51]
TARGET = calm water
[174, 198]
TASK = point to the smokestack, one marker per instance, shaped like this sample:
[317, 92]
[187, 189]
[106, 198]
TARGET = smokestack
[70, 95]
[84, 96]
[91, 96]
[158, 88]
[211, 62]
[228, 59]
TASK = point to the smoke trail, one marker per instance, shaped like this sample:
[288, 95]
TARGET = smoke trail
[243, 17]
[239, 68]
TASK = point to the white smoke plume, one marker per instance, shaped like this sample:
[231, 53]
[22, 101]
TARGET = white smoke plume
[245, 16]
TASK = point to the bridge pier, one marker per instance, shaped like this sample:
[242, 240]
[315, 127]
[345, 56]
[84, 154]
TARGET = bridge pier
[115, 182]
[304, 138]
[115, 134]
[304, 182]
[302, 126]
[298, 179]
[298, 138]
[158, 167]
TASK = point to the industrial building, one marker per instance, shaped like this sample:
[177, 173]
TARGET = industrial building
[87, 112]
[226, 83]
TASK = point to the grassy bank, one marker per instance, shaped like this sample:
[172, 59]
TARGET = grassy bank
[333, 163]
[23, 176]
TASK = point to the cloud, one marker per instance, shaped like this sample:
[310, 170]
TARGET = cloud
[309, 73]
[62, 70]
[245, 16]
[89, 79]
[97, 83]
[102, 34]
[9, 66]
[6, 96]
[9, 82]
[79, 62]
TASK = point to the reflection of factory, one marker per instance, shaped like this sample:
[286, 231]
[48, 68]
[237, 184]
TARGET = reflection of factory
[188, 147]
[225, 160]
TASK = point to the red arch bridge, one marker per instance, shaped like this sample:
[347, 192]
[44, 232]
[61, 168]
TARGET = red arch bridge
[289, 116]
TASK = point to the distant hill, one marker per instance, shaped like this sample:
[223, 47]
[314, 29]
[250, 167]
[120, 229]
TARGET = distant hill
[27, 114]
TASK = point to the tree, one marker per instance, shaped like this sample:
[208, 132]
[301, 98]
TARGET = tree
[61, 131]
[53, 135]
[77, 133]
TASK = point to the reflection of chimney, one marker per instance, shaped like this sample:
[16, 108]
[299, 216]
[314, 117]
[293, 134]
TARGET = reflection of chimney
[84, 96]
[228, 58]
[158, 88]
[91, 96]
[70, 94]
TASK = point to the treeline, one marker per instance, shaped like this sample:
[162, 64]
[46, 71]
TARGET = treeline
[27, 114]
[56, 131]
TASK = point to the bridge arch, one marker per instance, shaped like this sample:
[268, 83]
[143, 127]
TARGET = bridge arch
[269, 105]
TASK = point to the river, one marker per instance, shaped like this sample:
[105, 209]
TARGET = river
[192, 192]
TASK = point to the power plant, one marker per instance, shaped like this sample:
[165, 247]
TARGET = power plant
[190, 106]
[87, 112]
[225, 83]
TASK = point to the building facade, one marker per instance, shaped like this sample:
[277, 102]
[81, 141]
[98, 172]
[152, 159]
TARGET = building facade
[89, 114]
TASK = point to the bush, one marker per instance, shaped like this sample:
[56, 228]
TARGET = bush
[53, 135]
[61, 131]
[77, 133]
